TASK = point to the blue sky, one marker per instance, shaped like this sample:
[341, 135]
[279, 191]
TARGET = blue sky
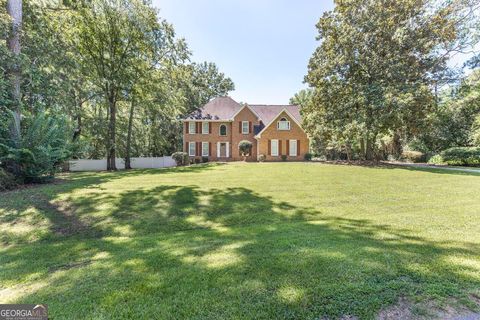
[263, 45]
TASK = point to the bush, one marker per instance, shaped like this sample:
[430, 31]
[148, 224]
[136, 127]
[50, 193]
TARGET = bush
[436, 159]
[414, 156]
[261, 158]
[7, 180]
[284, 157]
[181, 158]
[245, 147]
[307, 156]
[45, 145]
[462, 156]
[197, 160]
[204, 159]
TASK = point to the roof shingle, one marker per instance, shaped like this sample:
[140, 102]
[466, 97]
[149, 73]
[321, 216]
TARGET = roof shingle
[224, 108]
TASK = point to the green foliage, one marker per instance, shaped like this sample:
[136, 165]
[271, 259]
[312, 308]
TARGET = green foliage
[374, 68]
[204, 159]
[83, 60]
[245, 147]
[283, 157]
[262, 158]
[475, 132]
[462, 156]
[414, 156]
[302, 98]
[7, 180]
[181, 158]
[307, 156]
[436, 159]
[44, 146]
[453, 123]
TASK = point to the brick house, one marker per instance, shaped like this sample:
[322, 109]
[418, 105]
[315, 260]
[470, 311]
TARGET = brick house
[215, 130]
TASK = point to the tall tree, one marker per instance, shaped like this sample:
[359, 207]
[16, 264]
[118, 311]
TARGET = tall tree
[110, 37]
[377, 64]
[14, 9]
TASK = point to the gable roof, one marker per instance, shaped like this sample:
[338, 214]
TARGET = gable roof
[267, 113]
[220, 108]
[225, 108]
[284, 110]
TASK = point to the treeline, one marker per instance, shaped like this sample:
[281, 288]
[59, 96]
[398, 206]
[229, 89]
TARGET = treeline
[380, 82]
[93, 79]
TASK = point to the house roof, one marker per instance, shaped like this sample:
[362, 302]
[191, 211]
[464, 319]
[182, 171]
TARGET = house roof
[225, 108]
[220, 108]
[267, 113]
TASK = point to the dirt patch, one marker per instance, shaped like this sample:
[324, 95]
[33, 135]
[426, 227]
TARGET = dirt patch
[65, 219]
[25, 186]
[406, 310]
[69, 266]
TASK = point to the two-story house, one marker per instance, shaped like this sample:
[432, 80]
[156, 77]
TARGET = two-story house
[215, 130]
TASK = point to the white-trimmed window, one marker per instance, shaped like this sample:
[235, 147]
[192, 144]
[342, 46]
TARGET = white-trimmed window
[283, 124]
[205, 150]
[293, 148]
[222, 130]
[192, 127]
[191, 149]
[205, 128]
[274, 148]
[245, 127]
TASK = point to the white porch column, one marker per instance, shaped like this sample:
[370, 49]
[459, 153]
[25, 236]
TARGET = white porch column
[218, 149]
[228, 149]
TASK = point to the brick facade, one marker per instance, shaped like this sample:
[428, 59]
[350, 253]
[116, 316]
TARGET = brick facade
[233, 137]
[283, 136]
[261, 144]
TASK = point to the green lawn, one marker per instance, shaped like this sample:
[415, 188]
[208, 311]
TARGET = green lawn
[259, 240]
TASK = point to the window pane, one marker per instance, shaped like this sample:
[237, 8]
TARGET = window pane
[191, 149]
[205, 127]
[223, 130]
[274, 147]
[205, 149]
[245, 126]
[293, 148]
[283, 125]
[191, 127]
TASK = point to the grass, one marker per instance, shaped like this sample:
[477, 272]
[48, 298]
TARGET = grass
[263, 240]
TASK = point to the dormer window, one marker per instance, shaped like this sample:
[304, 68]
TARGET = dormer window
[283, 124]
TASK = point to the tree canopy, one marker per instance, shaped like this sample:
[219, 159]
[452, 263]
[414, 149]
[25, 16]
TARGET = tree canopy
[377, 67]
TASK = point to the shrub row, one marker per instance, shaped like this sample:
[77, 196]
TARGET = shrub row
[461, 156]
[183, 159]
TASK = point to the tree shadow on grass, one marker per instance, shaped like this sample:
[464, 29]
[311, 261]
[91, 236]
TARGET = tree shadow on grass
[174, 252]
[20, 223]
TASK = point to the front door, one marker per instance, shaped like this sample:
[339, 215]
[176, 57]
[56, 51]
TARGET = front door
[223, 149]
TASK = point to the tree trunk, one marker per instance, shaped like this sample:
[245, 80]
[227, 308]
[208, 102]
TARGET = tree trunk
[14, 9]
[348, 151]
[129, 135]
[362, 148]
[369, 149]
[111, 148]
[396, 145]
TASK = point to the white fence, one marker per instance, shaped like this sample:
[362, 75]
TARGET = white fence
[136, 163]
